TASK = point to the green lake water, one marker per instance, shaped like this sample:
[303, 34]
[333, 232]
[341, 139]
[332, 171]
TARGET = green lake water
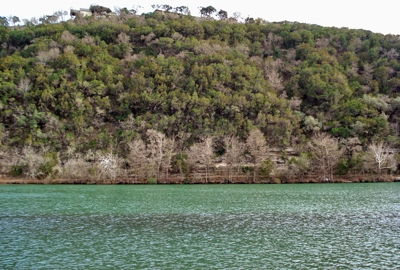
[320, 226]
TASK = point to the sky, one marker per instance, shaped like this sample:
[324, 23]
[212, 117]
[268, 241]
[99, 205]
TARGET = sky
[377, 16]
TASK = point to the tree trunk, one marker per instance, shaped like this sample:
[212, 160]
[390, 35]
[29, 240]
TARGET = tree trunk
[254, 172]
[379, 172]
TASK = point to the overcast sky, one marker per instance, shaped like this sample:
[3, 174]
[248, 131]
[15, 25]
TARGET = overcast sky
[377, 16]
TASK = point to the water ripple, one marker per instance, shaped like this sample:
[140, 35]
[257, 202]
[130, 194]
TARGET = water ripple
[259, 233]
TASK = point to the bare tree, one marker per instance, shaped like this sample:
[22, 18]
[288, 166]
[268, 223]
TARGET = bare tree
[135, 9]
[257, 149]
[325, 153]
[123, 38]
[168, 153]
[31, 22]
[137, 158]
[237, 16]
[201, 154]
[234, 149]
[149, 38]
[5, 156]
[108, 164]
[68, 37]
[24, 85]
[159, 152]
[382, 156]
[26, 22]
[88, 40]
[155, 149]
[271, 71]
[119, 11]
[32, 159]
[46, 56]
[295, 103]
[367, 73]
[74, 166]
[61, 15]
[392, 54]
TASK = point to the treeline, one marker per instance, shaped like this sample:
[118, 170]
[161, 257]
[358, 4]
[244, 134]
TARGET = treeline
[159, 159]
[98, 84]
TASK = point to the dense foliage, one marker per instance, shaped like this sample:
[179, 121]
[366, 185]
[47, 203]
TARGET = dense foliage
[98, 82]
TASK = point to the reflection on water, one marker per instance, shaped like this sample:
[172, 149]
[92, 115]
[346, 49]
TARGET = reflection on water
[181, 227]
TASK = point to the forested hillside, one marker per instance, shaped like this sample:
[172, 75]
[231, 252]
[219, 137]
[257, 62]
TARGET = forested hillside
[159, 94]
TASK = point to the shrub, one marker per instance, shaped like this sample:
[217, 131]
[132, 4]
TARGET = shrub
[47, 169]
[151, 180]
[17, 170]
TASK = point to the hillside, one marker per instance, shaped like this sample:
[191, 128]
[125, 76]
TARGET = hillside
[139, 96]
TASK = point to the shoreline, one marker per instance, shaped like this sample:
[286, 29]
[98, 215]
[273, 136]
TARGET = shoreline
[9, 180]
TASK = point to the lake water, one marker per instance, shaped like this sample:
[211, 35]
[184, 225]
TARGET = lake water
[200, 226]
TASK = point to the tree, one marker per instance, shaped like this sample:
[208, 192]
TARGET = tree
[108, 165]
[46, 19]
[135, 9]
[222, 15]
[96, 9]
[61, 14]
[325, 153]
[183, 10]
[257, 149]
[166, 8]
[160, 151]
[37, 163]
[155, 147]
[169, 152]
[46, 56]
[137, 158]
[382, 156]
[237, 16]
[180, 162]
[298, 166]
[207, 11]
[367, 73]
[31, 22]
[234, 149]
[125, 11]
[249, 20]
[123, 38]
[3, 21]
[271, 71]
[201, 154]
[13, 19]
[156, 6]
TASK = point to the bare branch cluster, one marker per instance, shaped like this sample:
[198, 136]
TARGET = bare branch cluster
[325, 153]
[201, 155]
[257, 149]
[46, 56]
[381, 157]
